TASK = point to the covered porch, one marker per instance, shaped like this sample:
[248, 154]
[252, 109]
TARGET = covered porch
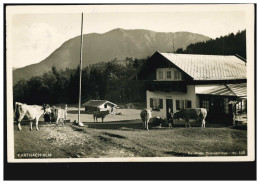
[224, 103]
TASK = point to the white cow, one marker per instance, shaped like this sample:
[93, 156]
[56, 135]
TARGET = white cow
[146, 115]
[31, 112]
[60, 114]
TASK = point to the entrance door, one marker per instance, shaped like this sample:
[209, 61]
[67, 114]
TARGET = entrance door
[169, 104]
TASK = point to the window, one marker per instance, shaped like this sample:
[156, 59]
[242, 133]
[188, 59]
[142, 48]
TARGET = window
[169, 74]
[205, 104]
[160, 74]
[156, 104]
[183, 104]
[177, 75]
[179, 104]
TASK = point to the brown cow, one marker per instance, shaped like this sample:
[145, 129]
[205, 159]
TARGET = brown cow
[196, 113]
[100, 114]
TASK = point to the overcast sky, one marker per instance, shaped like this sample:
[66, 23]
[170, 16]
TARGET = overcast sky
[36, 33]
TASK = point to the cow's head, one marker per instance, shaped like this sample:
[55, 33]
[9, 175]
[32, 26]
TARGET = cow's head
[46, 109]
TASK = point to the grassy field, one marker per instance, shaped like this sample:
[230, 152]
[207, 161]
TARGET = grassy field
[126, 114]
[128, 139]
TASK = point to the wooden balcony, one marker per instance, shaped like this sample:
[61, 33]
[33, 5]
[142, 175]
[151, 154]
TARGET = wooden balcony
[167, 86]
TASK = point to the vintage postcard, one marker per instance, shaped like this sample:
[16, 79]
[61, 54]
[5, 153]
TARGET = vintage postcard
[130, 83]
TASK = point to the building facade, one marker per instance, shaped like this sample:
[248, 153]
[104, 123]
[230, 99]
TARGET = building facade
[179, 81]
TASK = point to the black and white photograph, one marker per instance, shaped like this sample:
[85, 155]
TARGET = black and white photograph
[130, 83]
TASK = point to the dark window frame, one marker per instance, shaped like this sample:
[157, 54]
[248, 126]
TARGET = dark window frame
[183, 104]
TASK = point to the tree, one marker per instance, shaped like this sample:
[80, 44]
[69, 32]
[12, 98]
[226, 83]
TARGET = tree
[136, 64]
[107, 80]
[180, 50]
[224, 45]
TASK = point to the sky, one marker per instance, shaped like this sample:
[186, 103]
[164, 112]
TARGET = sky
[37, 31]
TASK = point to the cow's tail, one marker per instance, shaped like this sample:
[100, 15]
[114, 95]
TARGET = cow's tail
[144, 115]
[145, 119]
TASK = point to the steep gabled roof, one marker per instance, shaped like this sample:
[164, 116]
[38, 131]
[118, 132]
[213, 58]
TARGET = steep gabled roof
[208, 67]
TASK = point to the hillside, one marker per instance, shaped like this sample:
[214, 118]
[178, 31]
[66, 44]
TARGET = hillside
[118, 43]
[231, 44]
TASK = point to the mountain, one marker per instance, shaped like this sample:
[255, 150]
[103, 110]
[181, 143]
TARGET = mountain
[117, 43]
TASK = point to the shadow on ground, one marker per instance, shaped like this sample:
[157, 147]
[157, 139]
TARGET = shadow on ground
[129, 125]
[76, 112]
[138, 125]
[122, 125]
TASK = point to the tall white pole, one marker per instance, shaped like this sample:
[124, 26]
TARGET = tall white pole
[80, 71]
[173, 43]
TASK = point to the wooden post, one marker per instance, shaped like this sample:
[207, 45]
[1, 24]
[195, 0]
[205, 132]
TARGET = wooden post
[80, 71]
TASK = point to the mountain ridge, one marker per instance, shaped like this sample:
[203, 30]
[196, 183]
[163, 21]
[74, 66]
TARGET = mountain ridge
[102, 47]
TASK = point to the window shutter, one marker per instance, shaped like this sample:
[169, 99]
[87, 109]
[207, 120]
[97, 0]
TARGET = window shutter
[188, 104]
[151, 103]
[161, 103]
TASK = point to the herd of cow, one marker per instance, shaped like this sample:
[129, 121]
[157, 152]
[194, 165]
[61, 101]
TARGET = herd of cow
[198, 114]
[34, 112]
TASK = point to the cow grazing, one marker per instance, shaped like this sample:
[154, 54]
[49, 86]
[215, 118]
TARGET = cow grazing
[146, 115]
[196, 113]
[100, 114]
[31, 112]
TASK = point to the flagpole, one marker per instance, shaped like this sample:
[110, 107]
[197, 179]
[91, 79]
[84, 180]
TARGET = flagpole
[80, 71]
[173, 43]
